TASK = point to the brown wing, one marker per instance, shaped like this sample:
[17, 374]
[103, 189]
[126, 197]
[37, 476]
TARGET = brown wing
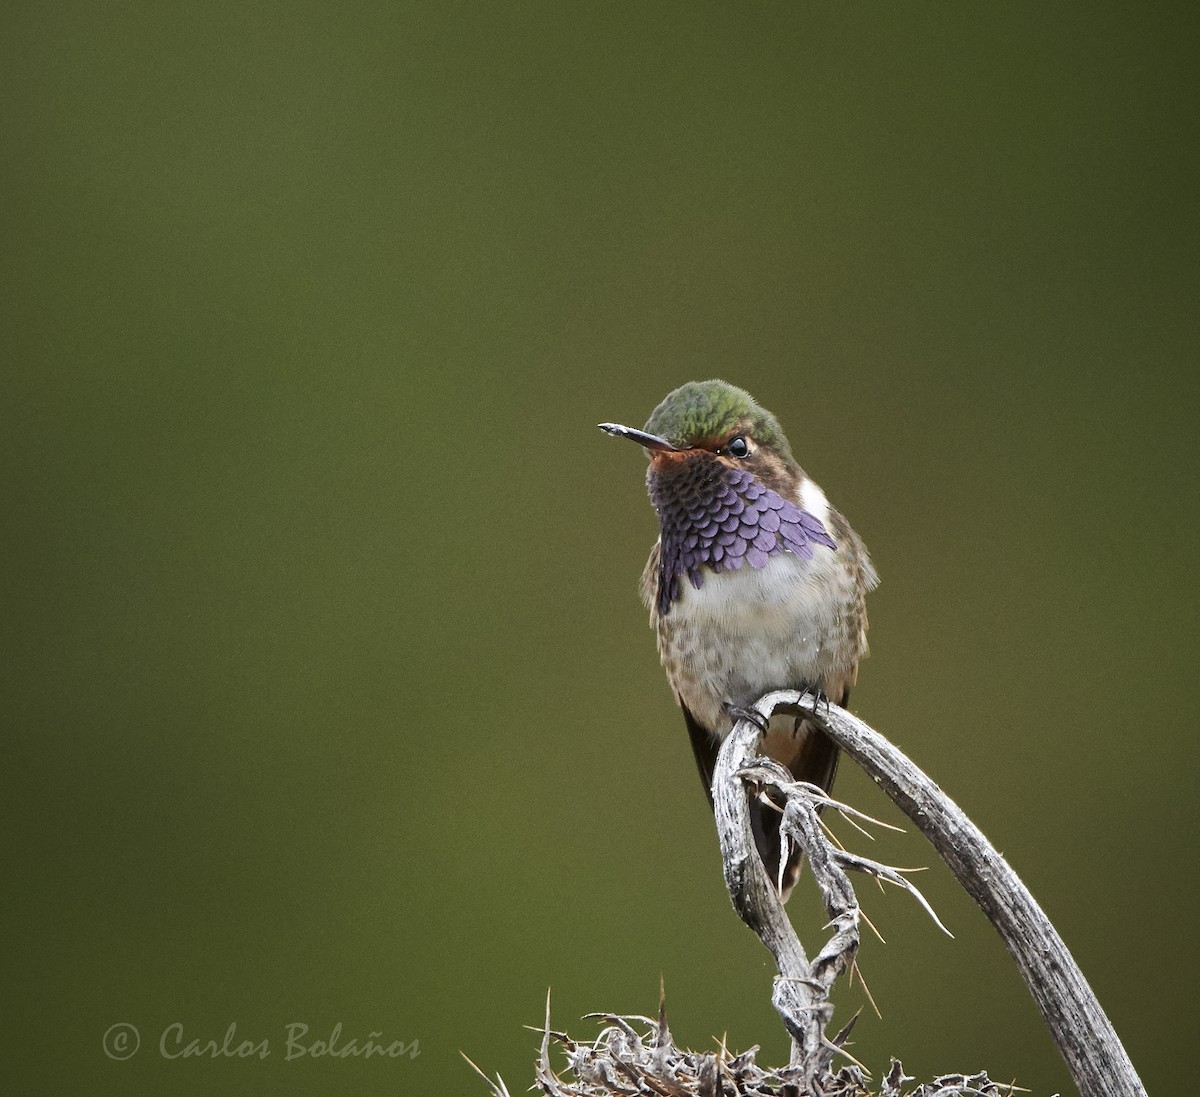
[648, 588]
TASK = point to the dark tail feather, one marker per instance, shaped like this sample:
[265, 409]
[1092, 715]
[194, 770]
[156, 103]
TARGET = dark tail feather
[705, 747]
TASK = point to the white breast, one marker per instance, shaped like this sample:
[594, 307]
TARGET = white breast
[745, 632]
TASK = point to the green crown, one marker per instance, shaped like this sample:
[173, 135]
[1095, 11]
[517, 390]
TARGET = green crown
[711, 409]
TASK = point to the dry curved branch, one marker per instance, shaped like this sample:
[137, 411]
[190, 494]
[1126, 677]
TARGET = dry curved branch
[1085, 1037]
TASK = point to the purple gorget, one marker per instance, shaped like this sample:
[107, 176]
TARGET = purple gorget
[716, 516]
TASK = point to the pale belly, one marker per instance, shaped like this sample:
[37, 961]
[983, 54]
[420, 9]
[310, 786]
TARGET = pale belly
[790, 625]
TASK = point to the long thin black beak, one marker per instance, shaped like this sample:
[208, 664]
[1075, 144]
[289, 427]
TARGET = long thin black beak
[650, 441]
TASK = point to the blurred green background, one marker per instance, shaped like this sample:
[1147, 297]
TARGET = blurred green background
[327, 694]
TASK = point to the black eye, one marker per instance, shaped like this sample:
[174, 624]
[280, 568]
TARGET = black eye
[738, 447]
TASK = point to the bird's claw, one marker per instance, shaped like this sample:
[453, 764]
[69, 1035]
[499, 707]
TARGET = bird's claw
[819, 698]
[737, 712]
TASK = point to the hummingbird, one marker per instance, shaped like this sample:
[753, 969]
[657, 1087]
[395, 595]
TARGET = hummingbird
[756, 583]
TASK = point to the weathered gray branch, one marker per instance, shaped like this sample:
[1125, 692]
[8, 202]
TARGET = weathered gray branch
[1094, 1054]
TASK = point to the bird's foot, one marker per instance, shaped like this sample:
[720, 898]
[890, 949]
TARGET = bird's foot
[738, 712]
[818, 696]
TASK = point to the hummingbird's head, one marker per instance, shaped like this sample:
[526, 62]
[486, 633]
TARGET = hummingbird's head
[714, 419]
[725, 485]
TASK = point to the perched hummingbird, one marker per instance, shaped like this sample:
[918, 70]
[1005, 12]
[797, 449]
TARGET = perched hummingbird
[755, 584]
